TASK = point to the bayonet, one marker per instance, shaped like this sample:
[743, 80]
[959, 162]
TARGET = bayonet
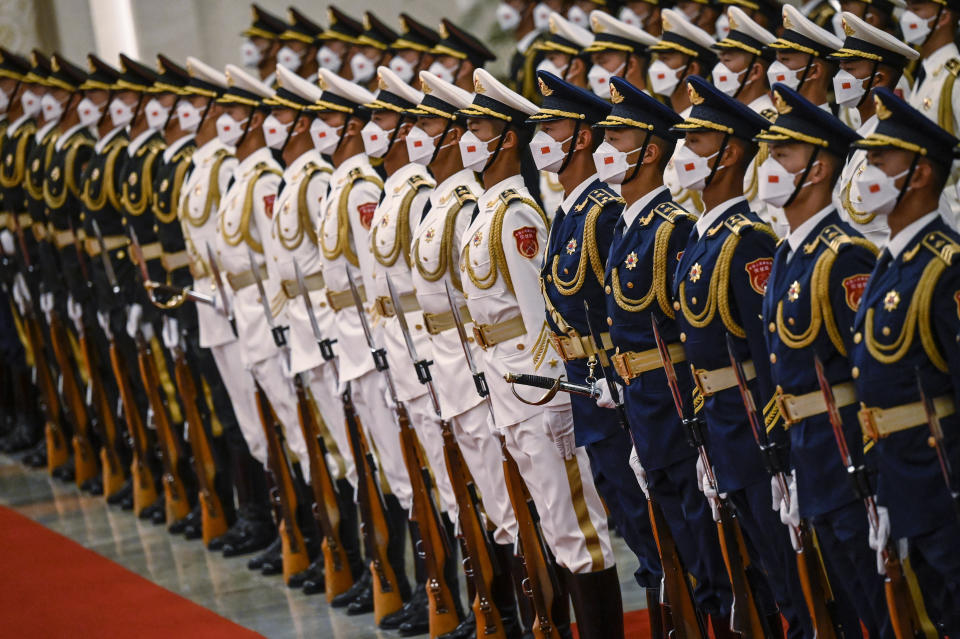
[105, 258]
[479, 379]
[325, 344]
[421, 366]
[936, 442]
[137, 251]
[221, 289]
[379, 355]
[278, 332]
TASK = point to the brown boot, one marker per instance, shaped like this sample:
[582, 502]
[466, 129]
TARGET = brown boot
[597, 603]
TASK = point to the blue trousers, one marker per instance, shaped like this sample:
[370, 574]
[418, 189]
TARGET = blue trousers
[940, 579]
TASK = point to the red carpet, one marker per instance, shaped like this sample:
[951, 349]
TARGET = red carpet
[53, 587]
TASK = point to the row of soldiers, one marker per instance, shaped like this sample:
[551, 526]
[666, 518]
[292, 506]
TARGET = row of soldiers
[345, 271]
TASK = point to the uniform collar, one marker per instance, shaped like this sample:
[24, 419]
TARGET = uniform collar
[295, 167]
[491, 195]
[710, 218]
[761, 104]
[67, 135]
[797, 236]
[102, 142]
[574, 197]
[933, 62]
[42, 131]
[869, 126]
[262, 154]
[209, 147]
[402, 174]
[16, 124]
[138, 141]
[633, 211]
[175, 146]
[441, 194]
[906, 236]
[357, 161]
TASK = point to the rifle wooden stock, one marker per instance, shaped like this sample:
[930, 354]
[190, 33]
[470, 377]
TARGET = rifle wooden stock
[85, 460]
[57, 451]
[295, 557]
[478, 561]
[683, 611]
[144, 483]
[745, 616]
[113, 474]
[326, 508]
[373, 520]
[539, 582]
[176, 503]
[908, 615]
[815, 585]
[212, 517]
[442, 609]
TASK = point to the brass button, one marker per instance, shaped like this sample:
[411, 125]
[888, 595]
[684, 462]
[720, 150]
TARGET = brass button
[609, 321]
[549, 278]
[772, 327]
[121, 255]
[629, 284]
[683, 337]
[419, 327]
[606, 289]
[855, 372]
[885, 330]
[676, 306]
[791, 321]
[520, 347]
[773, 358]
[857, 337]
[693, 300]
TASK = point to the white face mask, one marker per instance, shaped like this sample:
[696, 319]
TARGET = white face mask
[52, 109]
[726, 80]
[599, 80]
[402, 67]
[189, 116]
[507, 17]
[250, 55]
[442, 71]
[663, 79]
[289, 58]
[362, 68]
[420, 146]
[541, 16]
[550, 67]
[329, 59]
[30, 102]
[89, 112]
[548, 153]
[848, 89]
[775, 183]
[779, 72]
[693, 169]
[376, 141]
[877, 191]
[579, 17]
[611, 163]
[156, 114]
[229, 130]
[120, 112]
[324, 136]
[629, 16]
[275, 132]
[915, 29]
[475, 152]
[722, 26]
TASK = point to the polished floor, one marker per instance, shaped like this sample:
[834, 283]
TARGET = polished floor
[225, 586]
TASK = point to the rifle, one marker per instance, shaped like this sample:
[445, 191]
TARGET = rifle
[936, 442]
[811, 571]
[171, 452]
[57, 453]
[540, 585]
[221, 289]
[294, 549]
[905, 616]
[113, 475]
[442, 608]
[144, 483]
[326, 509]
[745, 616]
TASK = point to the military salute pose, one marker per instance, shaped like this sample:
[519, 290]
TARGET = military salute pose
[217, 287]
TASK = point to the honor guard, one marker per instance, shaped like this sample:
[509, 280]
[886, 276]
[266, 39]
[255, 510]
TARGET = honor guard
[526, 21]
[337, 40]
[818, 276]
[371, 51]
[501, 252]
[298, 46]
[647, 243]
[718, 291]
[210, 173]
[619, 49]
[802, 52]
[458, 55]
[869, 58]
[571, 276]
[707, 15]
[435, 239]
[411, 50]
[261, 43]
[904, 355]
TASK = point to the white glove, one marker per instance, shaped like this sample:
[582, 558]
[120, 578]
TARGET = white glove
[880, 536]
[103, 319]
[703, 481]
[701, 474]
[21, 294]
[7, 242]
[74, 310]
[170, 333]
[46, 304]
[559, 427]
[638, 470]
[134, 314]
[606, 400]
[789, 515]
[388, 400]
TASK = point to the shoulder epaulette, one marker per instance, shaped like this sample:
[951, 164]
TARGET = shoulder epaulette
[670, 211]
[769, 114]
[509, 195]
[418, 182]
[953, 67]
[941, 245]
[834, 237]
[604, 196]
[262, 167]
[154, 146]
[184, 154]
[356, 174]
[738, 223]
[464, 194]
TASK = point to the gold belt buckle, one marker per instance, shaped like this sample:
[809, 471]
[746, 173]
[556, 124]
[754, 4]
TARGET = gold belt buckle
[560, 346]
[384, 306]
[481, 338]
[619, 361]
[781, 399]
[697, 372]
[868, 422]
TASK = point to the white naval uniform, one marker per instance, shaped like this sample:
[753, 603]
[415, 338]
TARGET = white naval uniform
[435, 243]
[559, 488]
[237, 232]
[846, 195]
[345, 219]
[198, 218]
[293, 237]
[772, 215]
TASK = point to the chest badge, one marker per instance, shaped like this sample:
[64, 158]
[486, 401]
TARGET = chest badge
[164, 185]
[55, 173]
[9, 159]
[36, 165]
[132, 180]
[891, 301]
[695, 272]
[572, 246]
[793, 293]
[95, 175]
[631, 261]
[477, 238]
[385, 221]
[429, 235]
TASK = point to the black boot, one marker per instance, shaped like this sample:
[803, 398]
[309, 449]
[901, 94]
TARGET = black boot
[597, 602]
[125, 491]
[350, 528]
[93, 486]
[362, 604]
[252, 531]
[313, 572]
[36, 457]
[397, 519]
[362, 583]
[66, 471]
[655, 610]
[29, 422]
[274, 549]
[416, 605]
[192, 523]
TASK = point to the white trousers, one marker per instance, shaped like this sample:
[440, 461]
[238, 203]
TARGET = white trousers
[283, 398]
[242, 393]
[323, 386]
[426, 423]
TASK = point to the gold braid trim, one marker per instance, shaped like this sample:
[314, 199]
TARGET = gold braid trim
[821, 311]
[573, 286]
[178, 176]
[244, 233]
[763, 151]
[658, 289]
[945, 108]
[137, 208]
[719, 293]
[108, 189]
[304, 223]
[212, 203]
[446, 248]
[10, 180]
[918, 316]
[54, 200]
[343, 221]
[498, 262]
[856, 215]
[402, 236]
[34, 180]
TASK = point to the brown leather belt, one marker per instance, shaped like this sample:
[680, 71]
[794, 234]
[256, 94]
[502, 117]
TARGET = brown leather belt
[878, 423]
[173, 261]
[110, 242]
[578, 347]
[339, 300]
[488, 335]
[244, 279]
[39, 230]
[314, 282]
[437, 323]
[711, 382]
[632, 364]
[795, 408]
[62, 239]
[151, 251]
[408, 303]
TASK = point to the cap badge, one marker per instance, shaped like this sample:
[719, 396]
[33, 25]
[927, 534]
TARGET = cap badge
[366, 22]
[882, 111]
[322, 83]
[615, 96]
[331, 17]
[667, 24]
[54, 64]
[553, 25]
[847, 29]
[444, 33]
[782, 106]
[478, 87]
[544, 89]
[733, 23]
[425, 87]
[381, 83]
[695, 97]
[595, 24]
